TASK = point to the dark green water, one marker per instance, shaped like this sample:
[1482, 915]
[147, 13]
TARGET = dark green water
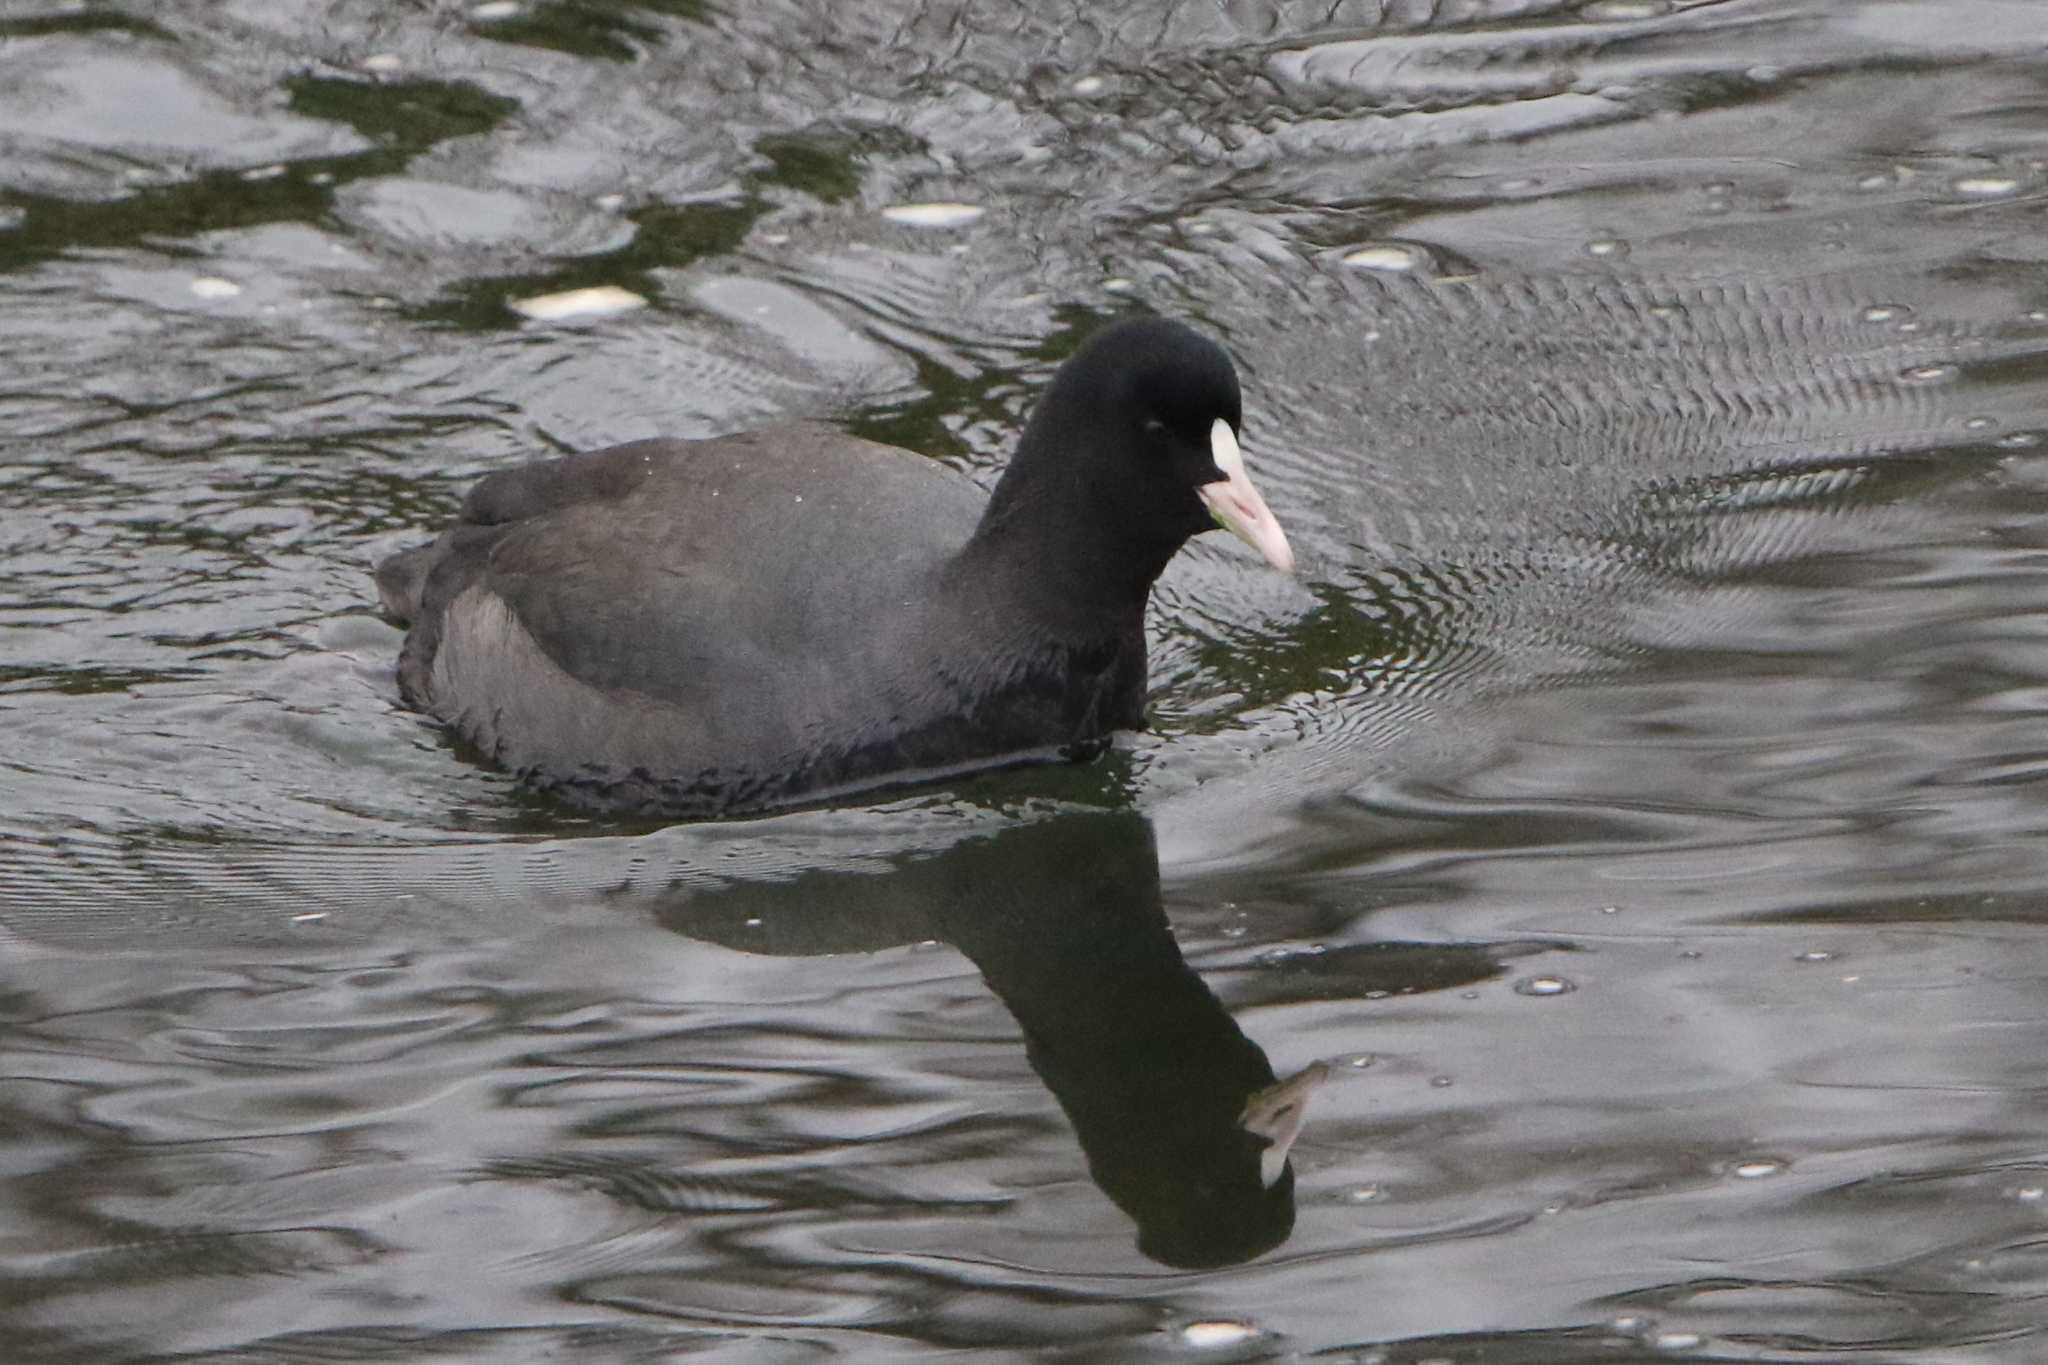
[1636, 804]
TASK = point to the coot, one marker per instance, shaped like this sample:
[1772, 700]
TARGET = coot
[708, 627]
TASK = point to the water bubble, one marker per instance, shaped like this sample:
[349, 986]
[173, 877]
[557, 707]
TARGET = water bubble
[1677, 1341]
[1758, 1169]
[598, 301]
[214, 287]
[1440, 1082]
[1814, 955]
[1544, 985]
[1089, 86]
[1117, 284]
[1612, 247]
[1878, 181]
[1361, 1194]
[2019, 440]
[1277, 957]
[1468, 995]
[937, 214]
[1928, 374]
[1765, 73]
[1359, 1061]
[1217, 1332]
[1885, 312]
[1984, 186]
[1383, 256]
[1692, 954]
[1979, 423]
[492, 10]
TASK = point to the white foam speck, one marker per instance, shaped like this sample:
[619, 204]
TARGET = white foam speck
[494, 9]
[942, 214]
[595, 302]
[383, 61]
[1089, 86]
[1383, 256]
[214, 287]
[1928, 374]
[1209, 1335]
[1985, 186]
[1624, 9]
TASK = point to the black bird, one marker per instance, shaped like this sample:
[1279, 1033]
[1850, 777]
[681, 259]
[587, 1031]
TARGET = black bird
[708, 627]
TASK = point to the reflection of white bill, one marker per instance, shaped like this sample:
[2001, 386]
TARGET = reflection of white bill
[1275, 1114]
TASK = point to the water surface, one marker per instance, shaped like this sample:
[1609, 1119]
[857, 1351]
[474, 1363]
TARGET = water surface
[1634, 805]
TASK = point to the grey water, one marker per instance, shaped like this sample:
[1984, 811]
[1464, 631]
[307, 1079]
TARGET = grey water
[1635, 808]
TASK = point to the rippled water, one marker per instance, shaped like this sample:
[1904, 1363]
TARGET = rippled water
[1635, 806]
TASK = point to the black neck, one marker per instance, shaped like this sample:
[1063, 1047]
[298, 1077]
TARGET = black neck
[1062, 539]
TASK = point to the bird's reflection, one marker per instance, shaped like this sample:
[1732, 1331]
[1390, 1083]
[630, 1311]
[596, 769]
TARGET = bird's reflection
[1184, 1124]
